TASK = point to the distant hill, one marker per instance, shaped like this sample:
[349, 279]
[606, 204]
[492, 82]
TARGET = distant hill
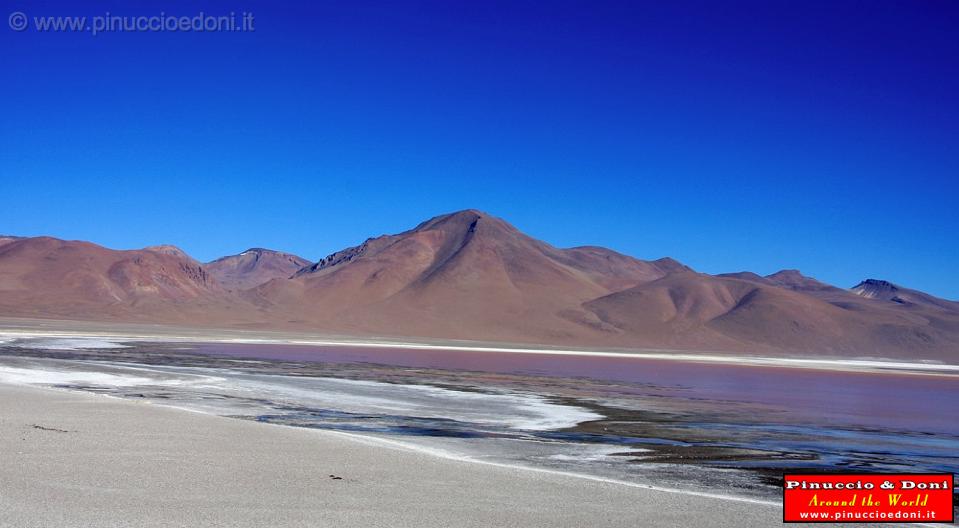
[48, 277]
[254, 267]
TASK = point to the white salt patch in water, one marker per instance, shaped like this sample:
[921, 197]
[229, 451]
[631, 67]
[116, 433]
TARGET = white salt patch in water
[109, 377]
[518, 411]
[64, 377]
[502, 409]
[64, 343]
[592, 452]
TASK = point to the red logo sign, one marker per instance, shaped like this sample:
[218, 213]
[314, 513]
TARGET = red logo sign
[873, 498]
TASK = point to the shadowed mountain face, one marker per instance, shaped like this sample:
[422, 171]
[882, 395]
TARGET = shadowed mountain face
[254, 267]
[469, 275]
[886, 291]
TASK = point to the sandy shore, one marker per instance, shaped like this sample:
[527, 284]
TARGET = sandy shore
[78, 459]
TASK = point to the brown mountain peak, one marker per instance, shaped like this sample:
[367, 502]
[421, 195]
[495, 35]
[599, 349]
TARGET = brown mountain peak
[467, 221]
[876, 285]
[170, 249]
[793, 279]
[255, 266]
[671, 265]
[786, 274]
[883, 290]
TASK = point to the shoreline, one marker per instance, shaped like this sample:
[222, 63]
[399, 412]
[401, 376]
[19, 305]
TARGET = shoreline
[695, 502]
[408, 447]
[102, 437]
[14, 329]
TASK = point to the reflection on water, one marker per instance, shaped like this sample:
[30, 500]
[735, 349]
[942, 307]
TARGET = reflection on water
[674, 424]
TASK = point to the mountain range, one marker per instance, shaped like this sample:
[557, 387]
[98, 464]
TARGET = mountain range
[469, 275]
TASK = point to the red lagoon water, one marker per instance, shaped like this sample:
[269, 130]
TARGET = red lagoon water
[890, 401]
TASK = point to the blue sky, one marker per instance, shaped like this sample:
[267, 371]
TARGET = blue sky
[731, 136]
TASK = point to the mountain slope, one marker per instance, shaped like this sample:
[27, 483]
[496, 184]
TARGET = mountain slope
[691, 310]
[254, 267]
[461, 275]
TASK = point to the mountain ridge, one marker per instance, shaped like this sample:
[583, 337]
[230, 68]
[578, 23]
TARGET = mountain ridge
[473, 276]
